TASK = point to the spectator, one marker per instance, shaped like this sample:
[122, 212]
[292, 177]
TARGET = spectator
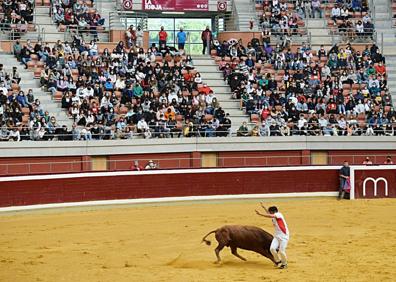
[367, 161]
[316, 8]
[131, 36]
[181, 39]
[136, 167]
[388, 161]
[163, 36]
[139, 37]
[206, 38]
[151, 165]
[335, 13]
[243, 130]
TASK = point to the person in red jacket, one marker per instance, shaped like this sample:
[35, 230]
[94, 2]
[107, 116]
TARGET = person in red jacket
[380, 69]
[206, 37]
[162, 36]
[136, 166]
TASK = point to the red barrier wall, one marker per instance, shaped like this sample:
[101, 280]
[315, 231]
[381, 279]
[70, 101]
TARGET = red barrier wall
[164, 184]
[389, 175]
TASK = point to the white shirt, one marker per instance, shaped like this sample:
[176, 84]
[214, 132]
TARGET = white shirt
[142, 125]
[281, 230]
[5, 91]
[336, 12]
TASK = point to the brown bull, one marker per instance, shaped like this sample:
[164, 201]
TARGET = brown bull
[244, 237]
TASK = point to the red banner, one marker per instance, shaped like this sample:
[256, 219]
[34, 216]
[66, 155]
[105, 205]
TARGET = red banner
[175, 5]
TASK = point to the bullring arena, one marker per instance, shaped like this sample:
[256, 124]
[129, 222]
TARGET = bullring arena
[159, 239]
[347, 241]
[130, 129]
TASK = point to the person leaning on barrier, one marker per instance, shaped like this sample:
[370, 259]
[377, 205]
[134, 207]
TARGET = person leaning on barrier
[367, 161]
[136, 167]
[151, 165]
[344, 178]
[388, 161]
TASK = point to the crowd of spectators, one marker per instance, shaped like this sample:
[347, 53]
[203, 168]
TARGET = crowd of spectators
[350, 19]
[21, 115]
[15, 16]
[77, 14]
[278, 19]
[124, 93]
[340, 91]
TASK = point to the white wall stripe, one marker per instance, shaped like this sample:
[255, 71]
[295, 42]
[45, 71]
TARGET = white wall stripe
[169, 200]
[156, 172]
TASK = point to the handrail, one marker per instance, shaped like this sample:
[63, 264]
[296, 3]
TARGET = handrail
[177, 163]
[140, 18]
[13, 33]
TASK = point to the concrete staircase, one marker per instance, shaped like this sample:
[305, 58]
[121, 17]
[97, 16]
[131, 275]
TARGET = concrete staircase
[211, 75]
[391, 70]
[244, 11]
[49, 29]
[28, 82]
[50, 32]
[105, 7]
[319, 32]
[386, 40]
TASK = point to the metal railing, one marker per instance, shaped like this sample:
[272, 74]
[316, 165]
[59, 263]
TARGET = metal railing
[126, 18]
[180, 163]
[18, 31]
[202, 130]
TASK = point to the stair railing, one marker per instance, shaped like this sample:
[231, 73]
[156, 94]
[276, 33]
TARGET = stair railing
[382, 43]
[130, 17]
[235, 16]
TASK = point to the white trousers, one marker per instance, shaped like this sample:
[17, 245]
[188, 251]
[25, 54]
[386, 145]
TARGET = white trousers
[280, 243]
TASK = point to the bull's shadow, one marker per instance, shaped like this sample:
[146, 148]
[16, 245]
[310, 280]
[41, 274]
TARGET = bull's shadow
[228, 262]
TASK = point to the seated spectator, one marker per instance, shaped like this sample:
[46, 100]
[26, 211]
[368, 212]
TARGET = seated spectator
[151, 165]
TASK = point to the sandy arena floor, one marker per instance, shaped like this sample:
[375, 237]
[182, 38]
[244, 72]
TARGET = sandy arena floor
[330, 241]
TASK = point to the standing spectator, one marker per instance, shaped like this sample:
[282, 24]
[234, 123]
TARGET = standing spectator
[206, 37]
[131, 36]
[266, 35]
[251, 24]
[181, 39]
[367, 161]
[139, 37]
[388, 161]
[344, 178]
[162, 36]
[316, 8]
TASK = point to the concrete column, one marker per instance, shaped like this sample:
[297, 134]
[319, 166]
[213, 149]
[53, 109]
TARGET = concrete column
[196, 159]
[306, 157]
[86, 163]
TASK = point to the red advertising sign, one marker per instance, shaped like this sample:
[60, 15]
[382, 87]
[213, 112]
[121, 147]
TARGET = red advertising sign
[175, 5]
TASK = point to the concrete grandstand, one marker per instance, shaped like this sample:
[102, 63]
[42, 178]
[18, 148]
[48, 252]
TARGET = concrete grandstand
[96, 70]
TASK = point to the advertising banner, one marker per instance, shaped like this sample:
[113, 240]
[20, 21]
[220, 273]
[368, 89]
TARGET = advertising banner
[176, 5]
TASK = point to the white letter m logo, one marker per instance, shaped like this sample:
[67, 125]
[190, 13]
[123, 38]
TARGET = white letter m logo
[375, 182]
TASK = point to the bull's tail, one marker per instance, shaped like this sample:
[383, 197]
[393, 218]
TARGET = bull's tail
[204, 238]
